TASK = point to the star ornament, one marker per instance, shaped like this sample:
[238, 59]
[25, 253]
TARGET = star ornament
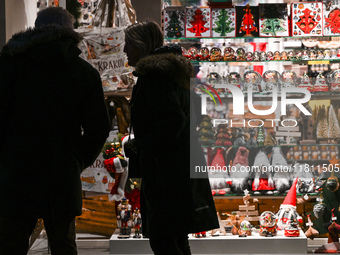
[334, 165]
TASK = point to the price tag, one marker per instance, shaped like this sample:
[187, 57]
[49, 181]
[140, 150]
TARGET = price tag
[334, 218]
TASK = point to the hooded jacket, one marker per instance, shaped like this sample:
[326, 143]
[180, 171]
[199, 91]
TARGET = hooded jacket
[53, 122]
[160, 114]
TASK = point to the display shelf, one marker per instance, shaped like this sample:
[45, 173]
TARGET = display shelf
[268, 95]
[229, 244]
[119, 93]
[273, 196]
[270, 146]
[325, 37]
[300, 62]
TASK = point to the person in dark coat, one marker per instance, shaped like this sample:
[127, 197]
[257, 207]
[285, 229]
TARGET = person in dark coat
[54, 123]
[172, 203]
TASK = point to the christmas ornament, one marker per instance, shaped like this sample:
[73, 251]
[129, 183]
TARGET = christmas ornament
[270, 56]
[239, 141]
[249, 56]
[174, 22]
[332, 183]
[223, 22]
[235, 79]
[124, 218]
[268, 224]
[271, 79]
[245, 228]
[319, 208]
[252, 141]
[240, 54]
[197, 22]
[320, 84]
[263, 180]
[331, 14]
[322, 124]
[284, 56]
[311, 232]
[306, 82]
[218, 179]
[256, 56]
[229, 54]
[273, 20]
[288, 79]
[192, 53]
[223, 136]
[206, 131]
[292, 230]
[291, 55]
[287, 214]
[260, 136]
[204, 54]
[252, 80]
[247, 20]
[334, 81]
[263, 56]
[215, 54]
[307, 20]
[281, 176]
[137, 222]
[240, 178]
[277, 55]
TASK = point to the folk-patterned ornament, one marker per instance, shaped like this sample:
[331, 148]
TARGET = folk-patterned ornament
[197, 22]
[331, 11]
[307, 19]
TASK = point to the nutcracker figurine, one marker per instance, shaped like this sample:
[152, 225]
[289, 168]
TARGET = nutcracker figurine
[137, 220]
[124, 218]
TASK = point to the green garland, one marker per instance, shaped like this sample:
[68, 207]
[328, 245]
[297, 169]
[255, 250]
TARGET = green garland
[73, 7]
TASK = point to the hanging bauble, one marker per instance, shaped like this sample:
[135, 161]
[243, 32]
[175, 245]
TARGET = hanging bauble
[332, 183]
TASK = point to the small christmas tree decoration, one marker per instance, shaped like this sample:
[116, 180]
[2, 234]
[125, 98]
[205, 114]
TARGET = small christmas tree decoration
[260, 136]
[223, 136]
[174, 22]
[331, 14]
[247, 20]
[322, 124]
[197, 22]
[206, 132]
[333, 124]
[269, 140]
[273, 20]
[307, 19]
[223, 22]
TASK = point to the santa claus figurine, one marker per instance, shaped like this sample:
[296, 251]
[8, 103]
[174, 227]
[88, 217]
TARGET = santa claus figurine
[287, 211]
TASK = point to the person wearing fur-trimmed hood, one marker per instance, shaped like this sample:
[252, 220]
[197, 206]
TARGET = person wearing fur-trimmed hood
[54, 124]
[172, 204]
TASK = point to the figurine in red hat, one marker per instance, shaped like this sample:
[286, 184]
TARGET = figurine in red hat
[287, 210]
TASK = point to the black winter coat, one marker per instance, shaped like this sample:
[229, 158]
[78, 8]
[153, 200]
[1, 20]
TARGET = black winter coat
[53, 123]
[160, 113]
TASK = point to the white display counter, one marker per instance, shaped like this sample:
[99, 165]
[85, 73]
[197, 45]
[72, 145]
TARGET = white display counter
[229, 244]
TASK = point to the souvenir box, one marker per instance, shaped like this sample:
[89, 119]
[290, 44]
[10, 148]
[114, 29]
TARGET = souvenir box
[247, 21]
[223, 22]
[331, 18]
[197, 22]
[273, 20]
[174, 19]
[307, 19]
